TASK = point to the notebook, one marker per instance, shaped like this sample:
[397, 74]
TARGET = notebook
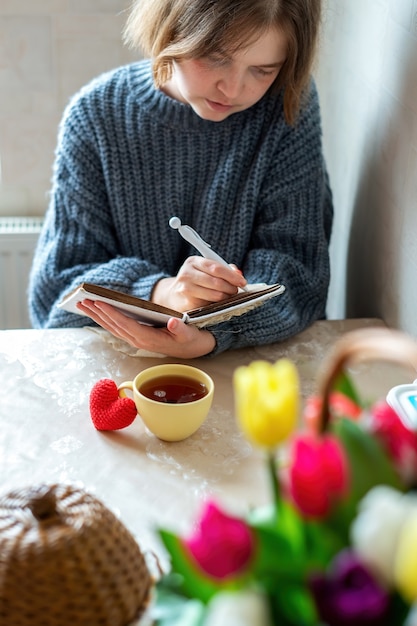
[153, 314]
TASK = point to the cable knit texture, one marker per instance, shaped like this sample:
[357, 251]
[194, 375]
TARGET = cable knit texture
[129, 157]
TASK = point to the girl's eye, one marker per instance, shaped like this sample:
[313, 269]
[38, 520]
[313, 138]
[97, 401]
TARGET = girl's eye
[261, 72]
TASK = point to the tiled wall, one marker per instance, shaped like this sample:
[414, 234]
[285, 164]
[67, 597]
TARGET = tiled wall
[48, 50]
[367, 79]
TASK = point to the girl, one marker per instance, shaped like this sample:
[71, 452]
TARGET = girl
[220, 126]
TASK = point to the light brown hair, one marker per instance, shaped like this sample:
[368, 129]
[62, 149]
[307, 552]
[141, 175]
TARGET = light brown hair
[168, 30]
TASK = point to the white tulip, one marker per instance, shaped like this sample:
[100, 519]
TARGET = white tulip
[376, 529]
[238, 608]
[412, 617]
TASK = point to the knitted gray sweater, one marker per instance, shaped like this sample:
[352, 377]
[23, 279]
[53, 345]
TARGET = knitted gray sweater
[129, 158]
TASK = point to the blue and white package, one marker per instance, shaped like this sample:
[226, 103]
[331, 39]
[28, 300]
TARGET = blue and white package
[403, 399]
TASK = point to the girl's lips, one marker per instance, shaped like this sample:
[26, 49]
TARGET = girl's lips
[217, 106]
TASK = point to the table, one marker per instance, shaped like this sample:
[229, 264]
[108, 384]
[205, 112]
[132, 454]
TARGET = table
[47, 435]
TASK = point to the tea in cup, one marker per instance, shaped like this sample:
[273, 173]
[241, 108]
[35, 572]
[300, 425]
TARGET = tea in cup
[173, 400]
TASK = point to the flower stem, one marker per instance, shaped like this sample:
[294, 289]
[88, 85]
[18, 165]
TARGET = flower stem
[276, 490]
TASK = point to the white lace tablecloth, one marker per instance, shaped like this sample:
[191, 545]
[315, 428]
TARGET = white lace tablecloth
[46, 433]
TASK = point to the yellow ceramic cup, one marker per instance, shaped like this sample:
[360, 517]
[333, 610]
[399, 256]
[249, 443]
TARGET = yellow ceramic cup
[170, 422]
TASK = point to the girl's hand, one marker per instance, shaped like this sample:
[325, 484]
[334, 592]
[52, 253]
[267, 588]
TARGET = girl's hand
[177, 339]
[198, 282]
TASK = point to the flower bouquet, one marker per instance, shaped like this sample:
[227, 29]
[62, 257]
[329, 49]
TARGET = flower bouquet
[337, 546]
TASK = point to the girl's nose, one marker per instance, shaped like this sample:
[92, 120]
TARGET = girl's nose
[230, 84]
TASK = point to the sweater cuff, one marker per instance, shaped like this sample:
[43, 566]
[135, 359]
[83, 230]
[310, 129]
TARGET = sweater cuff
[224, 337]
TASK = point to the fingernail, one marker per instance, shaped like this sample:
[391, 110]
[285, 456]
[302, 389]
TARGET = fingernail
[173, 323]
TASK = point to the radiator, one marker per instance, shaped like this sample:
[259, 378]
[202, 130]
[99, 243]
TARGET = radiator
[18, 237]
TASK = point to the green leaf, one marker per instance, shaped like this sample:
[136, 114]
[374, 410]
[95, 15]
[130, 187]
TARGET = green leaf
[290, 547]
[344, 384]
[193, 584]
[280, 546]
[288, 523]
[399, 610]
[322, 543]
[369, 466]
[170, 609]
[295, 605]
[276, 560]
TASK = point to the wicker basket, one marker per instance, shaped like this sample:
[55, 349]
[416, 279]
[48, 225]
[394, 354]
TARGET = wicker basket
[358, 346]
[66, 560]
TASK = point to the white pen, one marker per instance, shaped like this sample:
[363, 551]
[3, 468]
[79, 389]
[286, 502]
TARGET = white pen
[190, 235]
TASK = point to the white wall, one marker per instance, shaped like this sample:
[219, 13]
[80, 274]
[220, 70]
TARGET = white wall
[48, 50]
[367, 78]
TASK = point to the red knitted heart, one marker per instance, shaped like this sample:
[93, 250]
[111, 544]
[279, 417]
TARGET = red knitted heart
[108, 411]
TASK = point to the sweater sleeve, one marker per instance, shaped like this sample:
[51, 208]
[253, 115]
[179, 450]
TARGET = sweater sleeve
[290, 239]
[78, 242]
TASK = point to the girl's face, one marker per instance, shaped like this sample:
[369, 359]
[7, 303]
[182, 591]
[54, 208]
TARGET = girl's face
[218, 86]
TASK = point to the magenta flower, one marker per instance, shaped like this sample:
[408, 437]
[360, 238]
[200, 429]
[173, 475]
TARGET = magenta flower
[349, 595]
[398, 440]
[222, 545]
[318, 474]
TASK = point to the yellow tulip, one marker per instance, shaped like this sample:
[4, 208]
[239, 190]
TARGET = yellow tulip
[405, 562]
[267, 401]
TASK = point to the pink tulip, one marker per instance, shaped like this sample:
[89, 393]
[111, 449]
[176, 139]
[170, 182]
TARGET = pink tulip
[318, 474]
[339, 404]
[222, 545]
[399, 442]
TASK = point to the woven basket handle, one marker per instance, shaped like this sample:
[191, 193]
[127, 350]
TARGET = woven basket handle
[366, 344]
